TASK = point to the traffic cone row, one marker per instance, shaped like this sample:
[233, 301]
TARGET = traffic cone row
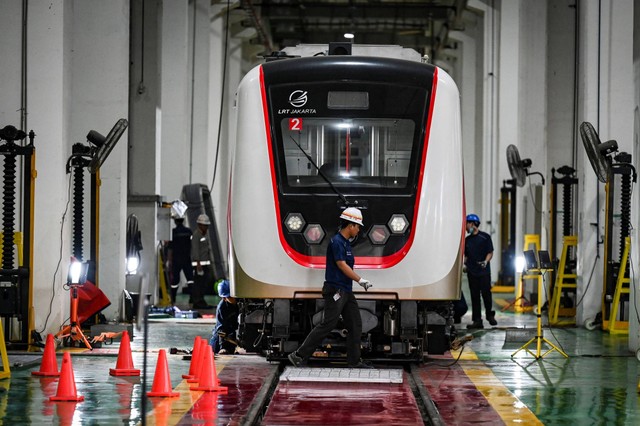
[202, 371]
[208, 377]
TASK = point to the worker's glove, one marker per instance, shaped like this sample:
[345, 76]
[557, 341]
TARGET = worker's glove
[365, 284]
[483, 264]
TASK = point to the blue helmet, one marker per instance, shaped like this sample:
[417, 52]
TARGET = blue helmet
[223, 289]
[473, 218]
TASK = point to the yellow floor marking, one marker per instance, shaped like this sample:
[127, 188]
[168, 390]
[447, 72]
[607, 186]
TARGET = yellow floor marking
[169, 411]
[507, 405]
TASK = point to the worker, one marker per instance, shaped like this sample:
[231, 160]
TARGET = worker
[338, 296]
[180, 257]
[201, 261]
[223, 339]
[478, 251]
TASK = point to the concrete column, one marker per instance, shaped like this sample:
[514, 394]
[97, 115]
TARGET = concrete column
[11, 67]
[145, 130]
[48, 116]
[202, 149]
[175, 98]
[509, 115]
[634, 325]
[471, 145]
[98, 78]
[483, 183]
[605, 75]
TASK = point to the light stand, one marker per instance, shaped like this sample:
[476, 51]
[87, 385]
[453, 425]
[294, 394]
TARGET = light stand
[539, 338]
[76, 278]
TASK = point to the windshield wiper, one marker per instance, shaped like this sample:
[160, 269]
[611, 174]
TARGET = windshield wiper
[320, 172]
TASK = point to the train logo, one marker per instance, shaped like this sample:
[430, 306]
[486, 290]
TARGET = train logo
[298, 98]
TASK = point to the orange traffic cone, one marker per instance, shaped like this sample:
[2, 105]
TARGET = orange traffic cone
[49, 365]
[204, 347]
[208, 377]
[67, 384]
[162, 380]
[195, 359]
[124, 365]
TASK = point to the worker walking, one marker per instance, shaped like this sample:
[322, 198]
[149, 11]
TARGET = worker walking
[338, 296]
[201, 261]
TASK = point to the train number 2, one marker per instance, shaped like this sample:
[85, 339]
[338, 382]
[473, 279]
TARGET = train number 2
[295, 124]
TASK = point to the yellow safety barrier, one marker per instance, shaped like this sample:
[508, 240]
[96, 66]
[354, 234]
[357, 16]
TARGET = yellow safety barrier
[622, 287]
[6, 372]
[521, 304]
[563, 281]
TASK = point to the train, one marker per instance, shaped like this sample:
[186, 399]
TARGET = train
[324, 127]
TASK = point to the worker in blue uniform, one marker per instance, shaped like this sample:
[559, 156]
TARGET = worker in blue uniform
[225, 331]
[338, 296]
[478, 251]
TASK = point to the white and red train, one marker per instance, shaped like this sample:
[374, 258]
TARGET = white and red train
[379, 130]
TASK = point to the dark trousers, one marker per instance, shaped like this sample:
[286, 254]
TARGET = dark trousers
[180, 265]
[347, 306]
[200, 283]
[480, 286]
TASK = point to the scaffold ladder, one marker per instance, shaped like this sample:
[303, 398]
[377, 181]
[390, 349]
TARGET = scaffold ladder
[563, 282]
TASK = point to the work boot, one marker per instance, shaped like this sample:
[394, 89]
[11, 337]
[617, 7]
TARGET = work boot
[361, 364]
[295, 359]
[476, 325]
[492, 318]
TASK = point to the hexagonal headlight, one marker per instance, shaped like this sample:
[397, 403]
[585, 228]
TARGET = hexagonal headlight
[379, 234]
[314, 233]
[294, 222]
[398, 223]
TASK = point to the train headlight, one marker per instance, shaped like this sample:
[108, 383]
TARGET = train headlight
[294, 222]
[379, 234]
[398, 223]
[314, 234]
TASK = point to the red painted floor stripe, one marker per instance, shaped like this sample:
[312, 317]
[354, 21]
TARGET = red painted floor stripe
[456, 397]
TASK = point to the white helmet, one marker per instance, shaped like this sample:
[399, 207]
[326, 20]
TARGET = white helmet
[203, 219]
[352, 214]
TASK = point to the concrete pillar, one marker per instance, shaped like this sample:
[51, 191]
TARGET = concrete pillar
[202, 149]
[48, 116]
[471, 145]
[175, 98]
[634, 325]
[144, 131]
[98, 78]
[76, 80]
[605, 75]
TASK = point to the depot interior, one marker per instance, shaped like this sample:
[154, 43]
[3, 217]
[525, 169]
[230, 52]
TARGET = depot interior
[121, 108]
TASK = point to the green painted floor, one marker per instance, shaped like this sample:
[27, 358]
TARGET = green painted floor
[596, 385]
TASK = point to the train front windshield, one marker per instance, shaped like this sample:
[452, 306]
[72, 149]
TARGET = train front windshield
[379, 153]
